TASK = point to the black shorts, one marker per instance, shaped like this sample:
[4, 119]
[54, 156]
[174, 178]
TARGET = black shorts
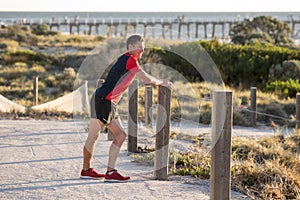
[103, 109]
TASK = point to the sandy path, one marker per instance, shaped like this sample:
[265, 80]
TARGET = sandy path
[41, 159]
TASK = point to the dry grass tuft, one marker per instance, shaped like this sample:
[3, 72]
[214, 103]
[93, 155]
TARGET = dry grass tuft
[267, 168]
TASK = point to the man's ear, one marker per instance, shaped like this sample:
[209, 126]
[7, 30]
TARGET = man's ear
[130, 46]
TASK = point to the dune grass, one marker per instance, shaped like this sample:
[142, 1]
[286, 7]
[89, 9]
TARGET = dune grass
[263, 168]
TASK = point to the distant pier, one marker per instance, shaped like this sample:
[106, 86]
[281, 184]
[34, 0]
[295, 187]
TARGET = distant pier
[168, 28]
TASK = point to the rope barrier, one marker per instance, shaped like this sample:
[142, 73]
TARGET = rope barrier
[265, 114]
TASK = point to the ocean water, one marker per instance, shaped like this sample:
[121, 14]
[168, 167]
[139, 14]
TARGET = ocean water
[11, 17]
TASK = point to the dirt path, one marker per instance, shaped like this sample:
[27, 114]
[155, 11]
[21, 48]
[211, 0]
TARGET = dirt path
[41, 159]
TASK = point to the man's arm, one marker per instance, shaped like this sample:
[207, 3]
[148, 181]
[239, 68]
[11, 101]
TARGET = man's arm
[151, 80]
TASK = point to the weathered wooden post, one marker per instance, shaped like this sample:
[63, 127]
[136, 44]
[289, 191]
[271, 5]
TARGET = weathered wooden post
[253, 106]
[132, 116]
[162, 134]
[188, 30]
[196, 31]
[153, 31]
[205, 30]
[213, 30]
[223, 30]
[36, 91]
[179, 29]
[108, 28]
[145, 30]
[298, 111]
[163, 31]
[221, 145]
[170, 29]
[148, 106]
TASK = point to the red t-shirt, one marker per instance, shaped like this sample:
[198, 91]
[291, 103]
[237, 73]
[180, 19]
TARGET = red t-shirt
[119, 78]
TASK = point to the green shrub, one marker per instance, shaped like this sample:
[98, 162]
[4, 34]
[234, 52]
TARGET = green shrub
[51, 81]
[42, 29]
[247, 65]
[289, 69]
[26, 56]
[74, 39]
[288, 88]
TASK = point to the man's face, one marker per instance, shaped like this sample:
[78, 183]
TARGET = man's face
[137, 49]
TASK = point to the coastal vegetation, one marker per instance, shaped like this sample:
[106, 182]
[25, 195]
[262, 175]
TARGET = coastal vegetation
[259, 55]
[262, 168]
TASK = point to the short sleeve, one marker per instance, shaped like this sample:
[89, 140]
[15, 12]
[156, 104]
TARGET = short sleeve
[132, 65]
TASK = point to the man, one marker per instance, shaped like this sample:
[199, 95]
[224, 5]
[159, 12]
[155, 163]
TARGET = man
[106, 98]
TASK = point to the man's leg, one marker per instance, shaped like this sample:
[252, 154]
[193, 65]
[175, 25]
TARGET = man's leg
[119, 137]
[88, 150]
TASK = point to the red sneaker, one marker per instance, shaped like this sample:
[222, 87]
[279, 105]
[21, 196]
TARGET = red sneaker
[91, 174]
[115, 177]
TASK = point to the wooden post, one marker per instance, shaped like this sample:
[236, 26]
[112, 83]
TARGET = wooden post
[116, 30]
[293, 28]
[188, 30]
[298, 111]
[223, 30]
[205, 30]
[36, 91]
[90, 30]
[229, 28]
[126, 30]
[163, 31]
[179, 30]
[148, 106]
[108, 30]
[97, 29]
[253, 106]
[71, 26]
[78, 29]
[221, 150]
[213, 30]
[153, 31]
[196, 32]
[163, 132]
[132, 116]
[145, 30]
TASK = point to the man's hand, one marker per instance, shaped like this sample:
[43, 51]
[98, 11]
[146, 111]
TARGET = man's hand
[168, 84]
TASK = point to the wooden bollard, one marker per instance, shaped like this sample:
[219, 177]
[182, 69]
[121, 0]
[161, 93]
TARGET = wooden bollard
[162, 134]
[298, 111]
[148, 106]
[36, 91]
[253, 106]
[221, 145]
[132, 116]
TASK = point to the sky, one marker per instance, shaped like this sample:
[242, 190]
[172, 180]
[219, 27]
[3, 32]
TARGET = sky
[152, 5]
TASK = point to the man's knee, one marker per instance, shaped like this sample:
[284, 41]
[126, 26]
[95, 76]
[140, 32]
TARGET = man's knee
[120, 137]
